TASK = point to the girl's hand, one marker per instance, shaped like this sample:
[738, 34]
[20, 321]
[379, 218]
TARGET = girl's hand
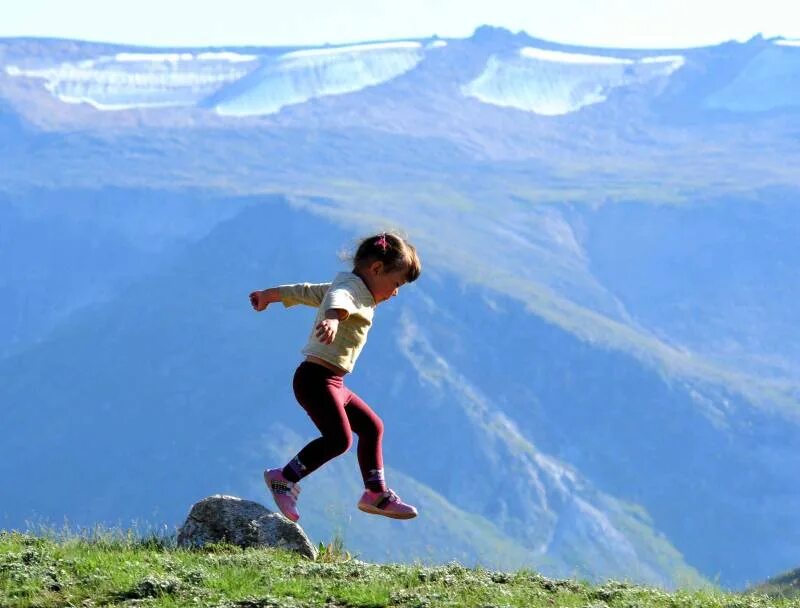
[326, 330]
[260, 300]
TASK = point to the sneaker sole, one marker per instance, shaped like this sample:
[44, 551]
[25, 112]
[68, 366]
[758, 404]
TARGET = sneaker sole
[376, 511]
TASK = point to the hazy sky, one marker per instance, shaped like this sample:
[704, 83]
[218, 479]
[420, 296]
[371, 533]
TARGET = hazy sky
[626, 23]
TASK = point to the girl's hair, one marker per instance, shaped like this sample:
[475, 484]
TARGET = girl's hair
[394, 251]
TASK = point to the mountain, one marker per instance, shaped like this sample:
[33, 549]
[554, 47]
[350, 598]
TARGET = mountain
[597, 374]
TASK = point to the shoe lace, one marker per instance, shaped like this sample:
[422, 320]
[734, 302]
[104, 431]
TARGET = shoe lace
[286, 487]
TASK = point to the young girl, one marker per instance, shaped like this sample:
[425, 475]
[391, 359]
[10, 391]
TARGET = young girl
[382, 264]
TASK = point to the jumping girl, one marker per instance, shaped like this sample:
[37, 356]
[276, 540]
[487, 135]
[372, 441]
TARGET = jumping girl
[383, 263]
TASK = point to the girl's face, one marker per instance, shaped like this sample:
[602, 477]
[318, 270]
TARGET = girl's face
[383, 285]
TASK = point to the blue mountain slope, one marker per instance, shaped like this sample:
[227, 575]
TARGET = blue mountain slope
[698, 458]
[724, 315]
[164, 395]
[172, 386]
[65, 249]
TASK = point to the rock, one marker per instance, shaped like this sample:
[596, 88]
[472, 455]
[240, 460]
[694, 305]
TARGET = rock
[241, 522]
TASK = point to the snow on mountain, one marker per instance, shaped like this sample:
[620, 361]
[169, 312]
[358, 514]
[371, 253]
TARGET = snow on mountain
[233, 84]
[771, 80]
[553, 82]
[139, 80]
[299, 76]
[544, 82]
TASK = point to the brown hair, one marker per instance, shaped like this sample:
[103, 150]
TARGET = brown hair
[394, 251]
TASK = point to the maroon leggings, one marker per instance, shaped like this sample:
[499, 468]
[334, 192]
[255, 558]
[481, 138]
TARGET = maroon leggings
[337, 412]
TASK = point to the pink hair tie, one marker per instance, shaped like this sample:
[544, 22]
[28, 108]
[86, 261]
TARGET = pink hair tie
[382, 242]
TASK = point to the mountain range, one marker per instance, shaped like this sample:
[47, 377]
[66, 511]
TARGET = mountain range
[598, 373]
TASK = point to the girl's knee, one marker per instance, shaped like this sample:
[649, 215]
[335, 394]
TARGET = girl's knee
[369, 427]
[373, 430]
[340, 443]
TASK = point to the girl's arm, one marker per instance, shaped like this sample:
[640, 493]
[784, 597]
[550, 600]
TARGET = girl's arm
[327, 328]
[310, 294]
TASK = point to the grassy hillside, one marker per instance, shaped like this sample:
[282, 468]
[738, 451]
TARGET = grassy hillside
[114, 569]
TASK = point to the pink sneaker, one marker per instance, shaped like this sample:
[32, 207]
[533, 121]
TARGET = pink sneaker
[284, 492]
[386, 503]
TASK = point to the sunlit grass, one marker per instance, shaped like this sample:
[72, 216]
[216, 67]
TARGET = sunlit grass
[120, 569]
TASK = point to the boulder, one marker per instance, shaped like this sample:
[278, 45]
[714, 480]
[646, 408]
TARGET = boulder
[241, 522]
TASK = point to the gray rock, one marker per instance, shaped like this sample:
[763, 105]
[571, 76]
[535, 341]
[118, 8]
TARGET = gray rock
[241, 522]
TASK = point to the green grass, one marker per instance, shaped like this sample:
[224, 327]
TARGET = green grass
[785, 585]
[124, 570]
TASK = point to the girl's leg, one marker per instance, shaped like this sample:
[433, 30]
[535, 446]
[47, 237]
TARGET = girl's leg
[377, 498]
[322, 395]
[369, 428]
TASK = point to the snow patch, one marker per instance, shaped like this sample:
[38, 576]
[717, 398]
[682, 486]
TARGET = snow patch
[561, 57]
[352, 48]
[785, 42]
[235, 84]
[156, 57]
[175, 57]
[553, 83]
[665, 59]
[225, 56]
[299, 76]
[141, 80]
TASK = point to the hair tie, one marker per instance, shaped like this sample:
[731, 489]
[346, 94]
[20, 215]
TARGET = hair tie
[382, 242]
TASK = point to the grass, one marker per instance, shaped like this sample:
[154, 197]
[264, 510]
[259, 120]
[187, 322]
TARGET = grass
[116, 569]
[784, 585]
